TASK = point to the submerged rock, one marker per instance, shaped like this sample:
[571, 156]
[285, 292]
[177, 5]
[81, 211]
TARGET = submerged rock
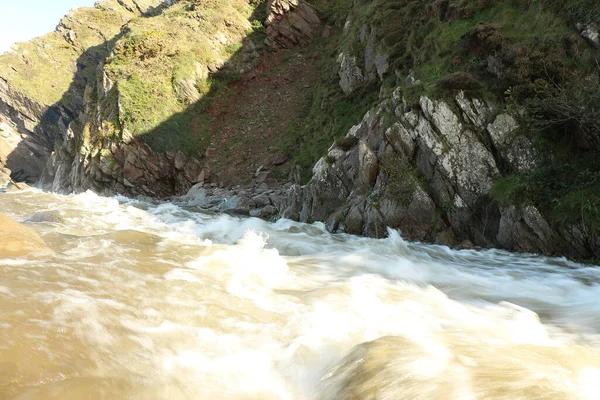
[45, 216]
[17, 240]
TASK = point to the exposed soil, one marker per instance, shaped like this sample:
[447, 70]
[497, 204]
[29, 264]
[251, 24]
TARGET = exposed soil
[249, 123]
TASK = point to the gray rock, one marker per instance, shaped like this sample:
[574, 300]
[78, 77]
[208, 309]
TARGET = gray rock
[355, 220]
[45, 216]
[290, 23]
[517, 150]
[382, 63]
[450, 146]
[261, 200]
[235, 205]
[351, 76]
[592, 34]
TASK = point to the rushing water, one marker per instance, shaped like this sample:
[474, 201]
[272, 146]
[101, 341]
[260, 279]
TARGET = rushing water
[148, 301]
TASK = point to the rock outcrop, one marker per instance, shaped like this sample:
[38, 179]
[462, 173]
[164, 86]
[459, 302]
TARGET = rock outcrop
[141, 100]
[259, 201]
[25, 144]
[355, 73]
[429, 172]
[18, 241]
[42, 81]
[128, 106]
[591, 33]
[290, 23]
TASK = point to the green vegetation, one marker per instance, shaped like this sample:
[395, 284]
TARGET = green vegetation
[489, 48]
[524, 55]
[403, 179]
[162, 66]
[46, 68]
[566, 191]
[328, 113]
[170, 65]
[167, 66]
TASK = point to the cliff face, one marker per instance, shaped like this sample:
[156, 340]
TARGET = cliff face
[42, 82]
[473, 133]
[141, 130]
[480, 118]
[110, 101]
[429, 172]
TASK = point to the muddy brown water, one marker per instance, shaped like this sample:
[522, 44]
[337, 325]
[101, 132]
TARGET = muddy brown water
[152, 301]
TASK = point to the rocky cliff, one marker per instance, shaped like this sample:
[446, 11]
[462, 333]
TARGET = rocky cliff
[429, 172]
[42, 81]
[110, 100]
[465, 159]
[469, 123]
[139, 131]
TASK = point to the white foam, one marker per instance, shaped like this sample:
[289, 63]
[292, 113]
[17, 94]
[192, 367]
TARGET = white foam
[221, 304]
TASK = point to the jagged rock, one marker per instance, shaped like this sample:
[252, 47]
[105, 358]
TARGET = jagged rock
[526, 230]
[290, 23]
[356, 189]
[376, 59]
[235, 205]
[77, 128]
[262, 200]
[17, 240]
[351, 76]
[517, 150]
[411, 79]
[23, 152]
[263, 213]
[592, 34]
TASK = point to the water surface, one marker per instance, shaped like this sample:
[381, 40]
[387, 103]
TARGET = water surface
[152, 301]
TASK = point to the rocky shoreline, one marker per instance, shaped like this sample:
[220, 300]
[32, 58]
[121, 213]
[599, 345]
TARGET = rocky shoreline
[424, 159]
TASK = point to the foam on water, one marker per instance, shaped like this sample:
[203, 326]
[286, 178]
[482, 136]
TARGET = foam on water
[152, 301]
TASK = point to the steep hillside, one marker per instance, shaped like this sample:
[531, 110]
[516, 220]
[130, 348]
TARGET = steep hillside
[145, 127]
[468, 122]
[42, 81]
[485, 130]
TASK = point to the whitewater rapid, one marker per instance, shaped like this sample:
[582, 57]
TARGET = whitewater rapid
[153, 301]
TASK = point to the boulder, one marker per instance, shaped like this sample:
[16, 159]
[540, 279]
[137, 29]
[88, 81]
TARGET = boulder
[591, 33]
[46, 216]
[351, 76]
[17, 240]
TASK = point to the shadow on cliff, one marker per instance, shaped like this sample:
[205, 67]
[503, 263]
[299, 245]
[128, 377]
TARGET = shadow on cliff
[189, 131]
[28, 159]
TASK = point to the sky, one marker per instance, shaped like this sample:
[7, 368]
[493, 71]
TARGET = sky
[21, 20]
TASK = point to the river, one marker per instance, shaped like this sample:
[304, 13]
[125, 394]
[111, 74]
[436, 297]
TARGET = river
[153, 301]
